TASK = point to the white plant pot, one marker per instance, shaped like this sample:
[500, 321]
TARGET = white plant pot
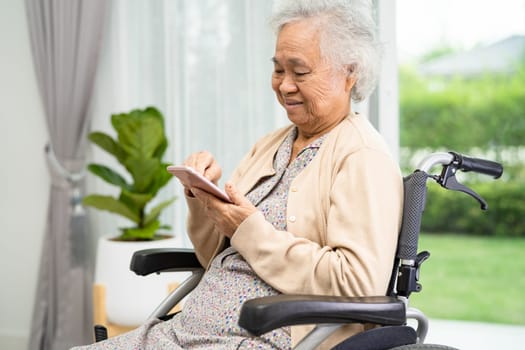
[130, 299]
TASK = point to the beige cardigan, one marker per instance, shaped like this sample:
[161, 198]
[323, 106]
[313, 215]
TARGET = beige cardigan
[343, 211]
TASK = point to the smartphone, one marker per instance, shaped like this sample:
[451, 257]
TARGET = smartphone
[190, 178]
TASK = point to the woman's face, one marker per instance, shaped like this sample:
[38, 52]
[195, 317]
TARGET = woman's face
[315, 95]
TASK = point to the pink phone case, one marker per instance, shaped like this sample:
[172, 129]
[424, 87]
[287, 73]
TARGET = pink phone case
[190, 178]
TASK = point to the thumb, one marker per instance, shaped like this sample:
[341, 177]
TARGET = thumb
[234, 194]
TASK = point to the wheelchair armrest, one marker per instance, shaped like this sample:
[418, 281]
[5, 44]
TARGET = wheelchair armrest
[262, 315]
[159, 260]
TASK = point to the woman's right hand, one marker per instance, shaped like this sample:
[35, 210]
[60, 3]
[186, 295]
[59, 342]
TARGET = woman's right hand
[205, 164]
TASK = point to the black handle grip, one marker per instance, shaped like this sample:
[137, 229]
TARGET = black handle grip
[415, 188]
[478, 165]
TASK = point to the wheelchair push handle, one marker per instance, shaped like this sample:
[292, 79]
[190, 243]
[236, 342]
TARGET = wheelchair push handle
[415, 198]
[461, 162]
[477, 165]
[452, 162]
[447, 178]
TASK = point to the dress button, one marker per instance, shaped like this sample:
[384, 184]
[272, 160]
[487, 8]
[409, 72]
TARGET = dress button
[292, 218]
[294, 189]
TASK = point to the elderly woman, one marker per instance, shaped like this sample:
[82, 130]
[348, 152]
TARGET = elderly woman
[316, 205]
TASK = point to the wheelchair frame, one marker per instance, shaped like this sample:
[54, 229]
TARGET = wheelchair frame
[391, 311]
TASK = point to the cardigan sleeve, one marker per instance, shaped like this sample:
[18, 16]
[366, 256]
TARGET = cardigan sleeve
[359, 226]
[206, 240]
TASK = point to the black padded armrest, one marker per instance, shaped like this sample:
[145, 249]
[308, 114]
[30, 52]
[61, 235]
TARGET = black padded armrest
[262, 315]
[149, 261]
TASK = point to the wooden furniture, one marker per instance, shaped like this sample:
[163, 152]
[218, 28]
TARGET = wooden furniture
[100, 314]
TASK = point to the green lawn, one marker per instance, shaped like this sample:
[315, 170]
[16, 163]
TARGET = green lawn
[473, 278]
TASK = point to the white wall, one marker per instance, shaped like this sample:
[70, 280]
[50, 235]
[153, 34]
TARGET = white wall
[23, 177]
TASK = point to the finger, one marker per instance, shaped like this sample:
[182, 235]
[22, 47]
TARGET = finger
[187, 192]
[235, 195]
[208, 200]
[213, 172]
[199, 161]
[204, 161]
[205, 164]
[199, 194]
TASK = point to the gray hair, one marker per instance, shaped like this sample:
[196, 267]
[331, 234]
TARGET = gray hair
[348, 36]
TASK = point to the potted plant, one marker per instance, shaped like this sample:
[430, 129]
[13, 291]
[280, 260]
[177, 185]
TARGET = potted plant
[139, 147]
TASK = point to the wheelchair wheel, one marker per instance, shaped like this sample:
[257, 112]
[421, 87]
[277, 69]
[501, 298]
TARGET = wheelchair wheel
[423, 347]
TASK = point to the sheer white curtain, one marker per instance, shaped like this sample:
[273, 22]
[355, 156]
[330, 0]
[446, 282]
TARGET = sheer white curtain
[205, 64]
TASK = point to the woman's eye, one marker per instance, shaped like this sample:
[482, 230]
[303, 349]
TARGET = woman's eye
[301, 73]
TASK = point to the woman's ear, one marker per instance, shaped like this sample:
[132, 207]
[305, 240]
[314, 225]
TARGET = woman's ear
[350, 78]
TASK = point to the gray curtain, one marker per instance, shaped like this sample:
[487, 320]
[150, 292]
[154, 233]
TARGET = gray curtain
[65, 40]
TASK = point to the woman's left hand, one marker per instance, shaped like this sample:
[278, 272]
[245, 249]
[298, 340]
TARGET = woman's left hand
[227, 216]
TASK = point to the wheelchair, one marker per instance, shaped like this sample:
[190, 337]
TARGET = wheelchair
[389, 313]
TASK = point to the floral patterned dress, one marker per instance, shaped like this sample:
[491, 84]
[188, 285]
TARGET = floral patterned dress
[210, 314]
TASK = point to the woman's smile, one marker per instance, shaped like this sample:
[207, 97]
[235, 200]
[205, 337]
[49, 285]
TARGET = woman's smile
[291, 104]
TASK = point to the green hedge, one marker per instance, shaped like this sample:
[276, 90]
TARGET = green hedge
[486, 114]
[450, 211]
[461, 113]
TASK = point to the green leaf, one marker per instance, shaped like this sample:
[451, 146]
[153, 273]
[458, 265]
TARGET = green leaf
[155, 114]
[159, 152]
[108, 175]
[136, 202]
[141, 233]
[108, 144]
[144, 172]
[162, 177]
[110, 204]
[139, 133]
[155, 212]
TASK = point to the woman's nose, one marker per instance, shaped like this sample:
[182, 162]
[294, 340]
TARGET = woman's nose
[287, 85]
